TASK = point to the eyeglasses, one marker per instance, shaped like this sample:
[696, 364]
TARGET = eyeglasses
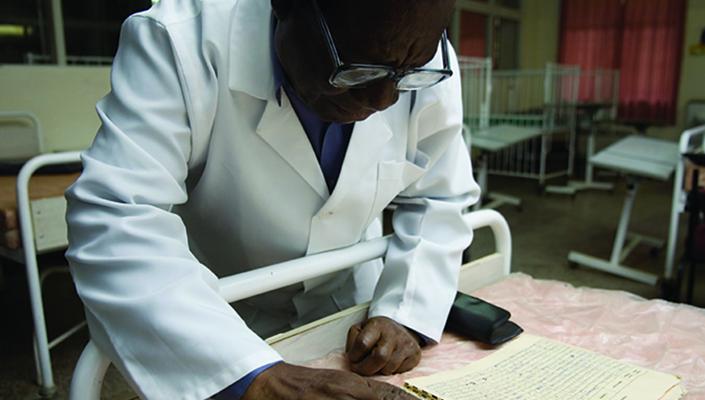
[359, 75]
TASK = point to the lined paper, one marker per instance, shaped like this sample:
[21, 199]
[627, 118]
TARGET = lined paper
[536, 368]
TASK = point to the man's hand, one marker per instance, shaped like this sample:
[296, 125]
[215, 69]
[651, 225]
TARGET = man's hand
[382, 346]
[291, 382]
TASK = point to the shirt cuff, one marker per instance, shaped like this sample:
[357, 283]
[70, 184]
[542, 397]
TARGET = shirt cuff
[238, 389]
[423, 339]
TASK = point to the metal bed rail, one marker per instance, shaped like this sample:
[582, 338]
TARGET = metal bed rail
[92, 365]
[476, 83]
[691, 140]
[34, 279]
[476, 86]
[544, 99]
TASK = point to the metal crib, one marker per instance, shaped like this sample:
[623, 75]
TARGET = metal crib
[543, 104]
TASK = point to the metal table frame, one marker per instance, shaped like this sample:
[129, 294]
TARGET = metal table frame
[589, 183]
[494, 139]
[638, 157]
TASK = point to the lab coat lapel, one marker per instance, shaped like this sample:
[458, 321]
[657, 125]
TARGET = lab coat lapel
[365, 148]
[364, 152]
[281, 129]
[251, 71]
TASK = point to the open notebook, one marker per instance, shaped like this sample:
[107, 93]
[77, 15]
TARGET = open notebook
[535, 368]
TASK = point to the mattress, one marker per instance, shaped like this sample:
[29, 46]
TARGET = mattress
[49, 190]
[655, 334]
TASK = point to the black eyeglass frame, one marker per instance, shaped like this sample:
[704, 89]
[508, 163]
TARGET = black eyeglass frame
[391, 73]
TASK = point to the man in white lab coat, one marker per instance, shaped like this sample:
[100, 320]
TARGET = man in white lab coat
[240, 133]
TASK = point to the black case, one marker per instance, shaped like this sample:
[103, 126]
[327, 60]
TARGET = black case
[479, 320]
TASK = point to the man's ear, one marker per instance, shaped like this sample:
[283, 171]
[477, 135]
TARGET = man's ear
[282, 8]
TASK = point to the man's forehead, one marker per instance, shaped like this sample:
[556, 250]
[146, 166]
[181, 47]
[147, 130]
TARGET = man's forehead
[388, 32]
[386, 15]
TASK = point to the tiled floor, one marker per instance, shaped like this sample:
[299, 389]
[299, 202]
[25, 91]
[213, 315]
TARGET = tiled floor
[544, 232]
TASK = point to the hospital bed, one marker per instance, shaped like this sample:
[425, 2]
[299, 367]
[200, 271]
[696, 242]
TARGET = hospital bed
[329, 333]
[71, 126]
[552, 309]
[533, 109]
[476, 84]
[511, 119]
[40, 210]
[691, 141]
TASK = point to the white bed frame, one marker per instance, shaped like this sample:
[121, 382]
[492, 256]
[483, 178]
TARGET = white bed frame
[42, 224]
[538, 105]
[692, 140]
[320, 337]
[476, 84]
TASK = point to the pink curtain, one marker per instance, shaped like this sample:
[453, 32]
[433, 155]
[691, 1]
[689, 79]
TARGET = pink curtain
[590, 33]
[641, 38]
[473, 29]
[590, 37]
[652, 44]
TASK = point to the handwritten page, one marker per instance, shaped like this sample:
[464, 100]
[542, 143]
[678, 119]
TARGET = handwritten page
[536, 368]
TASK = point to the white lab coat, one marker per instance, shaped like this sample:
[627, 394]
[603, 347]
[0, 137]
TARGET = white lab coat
[198, 172]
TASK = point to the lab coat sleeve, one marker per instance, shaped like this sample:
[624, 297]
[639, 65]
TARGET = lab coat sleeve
[151, 306]
[420, 276]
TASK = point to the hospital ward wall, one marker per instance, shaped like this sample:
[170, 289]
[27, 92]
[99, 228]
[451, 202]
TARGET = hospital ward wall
[62, 98]
[692, 77]
[692, 84]
[540, 23]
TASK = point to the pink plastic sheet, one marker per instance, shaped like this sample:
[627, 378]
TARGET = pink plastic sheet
[656, 334]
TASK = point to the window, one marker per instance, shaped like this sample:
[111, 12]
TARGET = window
[92, 28]
[90, 34]
[21, 30]
[505, 50]
[488, 28]
[516, 4]
[473, 33]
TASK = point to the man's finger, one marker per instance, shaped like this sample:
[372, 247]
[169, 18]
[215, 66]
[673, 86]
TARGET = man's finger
[376, 359]
[409, 363]
[386, 391]
[394, 362]
[353, 332]
[348, 391]
[364, 343]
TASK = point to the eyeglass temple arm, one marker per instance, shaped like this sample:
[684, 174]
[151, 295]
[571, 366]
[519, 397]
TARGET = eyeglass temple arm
[326, 33]
[444, 50]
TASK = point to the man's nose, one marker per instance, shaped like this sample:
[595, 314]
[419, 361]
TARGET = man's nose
[379, 95]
